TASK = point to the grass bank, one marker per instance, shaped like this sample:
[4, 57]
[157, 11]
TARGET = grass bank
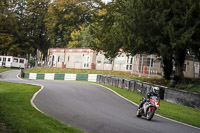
[155, 80]
[176, 112]
[6, 69]
[18, 116]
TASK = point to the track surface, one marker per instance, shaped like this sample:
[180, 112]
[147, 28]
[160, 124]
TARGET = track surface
[94, 109]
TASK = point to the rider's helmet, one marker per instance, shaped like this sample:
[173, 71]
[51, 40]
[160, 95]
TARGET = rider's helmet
[156, 90]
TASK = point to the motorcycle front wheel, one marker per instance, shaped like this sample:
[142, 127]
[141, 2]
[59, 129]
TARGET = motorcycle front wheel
[138, 113]
[150, 114]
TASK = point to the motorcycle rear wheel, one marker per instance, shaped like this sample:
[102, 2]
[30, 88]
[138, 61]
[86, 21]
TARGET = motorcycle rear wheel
[150, 114]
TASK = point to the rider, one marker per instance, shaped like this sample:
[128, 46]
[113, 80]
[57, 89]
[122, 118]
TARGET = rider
[153, 92]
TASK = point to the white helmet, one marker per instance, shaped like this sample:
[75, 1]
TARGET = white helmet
[156, 90]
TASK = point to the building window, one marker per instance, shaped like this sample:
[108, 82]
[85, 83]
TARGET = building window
[68, 58]
[0, 58]
[15, 60]
[4, 59]
[150, 62]
[21, 61]
[58, 58]
[130, 60]
[98, 60]
[128, 67]
[8, 59]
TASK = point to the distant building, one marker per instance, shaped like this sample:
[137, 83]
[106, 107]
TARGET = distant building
[12, 61]
[140, 64]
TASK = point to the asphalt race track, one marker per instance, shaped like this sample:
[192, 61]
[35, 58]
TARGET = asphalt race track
[94, 109]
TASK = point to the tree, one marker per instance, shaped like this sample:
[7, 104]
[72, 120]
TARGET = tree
[105, 30]
[168, 28]
[80, 38]
[8, 29]
[34, 23]
[64, 17]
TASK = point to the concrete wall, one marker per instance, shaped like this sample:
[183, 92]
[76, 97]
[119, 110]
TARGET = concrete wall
[170, 95]
[182, 98]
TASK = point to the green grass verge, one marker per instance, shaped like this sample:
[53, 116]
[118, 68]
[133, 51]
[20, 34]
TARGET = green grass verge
[20, 117]
[176, 112]
[6, 69]
[193, 86]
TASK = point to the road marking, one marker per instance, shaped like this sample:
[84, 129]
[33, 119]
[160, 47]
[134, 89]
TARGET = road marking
[35, 94]
[42, 87]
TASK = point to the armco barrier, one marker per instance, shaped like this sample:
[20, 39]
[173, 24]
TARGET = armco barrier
[26, 75]
[82, 77]
[70, 77]
[92, 77]
[49, 76]
[59, 76]
[52, 76]
[40, 76]
[32, 75]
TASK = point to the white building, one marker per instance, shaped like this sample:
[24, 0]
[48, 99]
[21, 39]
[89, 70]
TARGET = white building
[12, 61]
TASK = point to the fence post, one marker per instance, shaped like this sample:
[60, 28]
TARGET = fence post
[22, 73]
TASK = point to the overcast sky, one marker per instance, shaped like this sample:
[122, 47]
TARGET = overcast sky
[106, 1]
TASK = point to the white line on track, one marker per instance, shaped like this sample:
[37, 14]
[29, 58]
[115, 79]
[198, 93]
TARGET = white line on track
[35, 94]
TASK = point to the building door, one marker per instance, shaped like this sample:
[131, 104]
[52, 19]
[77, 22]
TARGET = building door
[129, 63]
[4, 61]
[86, 62]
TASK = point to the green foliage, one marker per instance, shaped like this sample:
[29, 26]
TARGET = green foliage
[5, 69]
[22, 28]
[106, 30]
[31, 62]
[167, 28]
[34, 16]
[64, 17]
[80, 38]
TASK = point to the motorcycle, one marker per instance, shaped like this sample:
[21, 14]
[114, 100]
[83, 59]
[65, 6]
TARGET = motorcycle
[149, 108]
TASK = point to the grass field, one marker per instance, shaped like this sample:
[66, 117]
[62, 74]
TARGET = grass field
[180, 113]
[18, 116]
[5, 69]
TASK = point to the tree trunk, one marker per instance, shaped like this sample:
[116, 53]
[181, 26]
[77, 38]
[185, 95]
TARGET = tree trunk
[113, 63]
[179, 63]
[167, 68]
